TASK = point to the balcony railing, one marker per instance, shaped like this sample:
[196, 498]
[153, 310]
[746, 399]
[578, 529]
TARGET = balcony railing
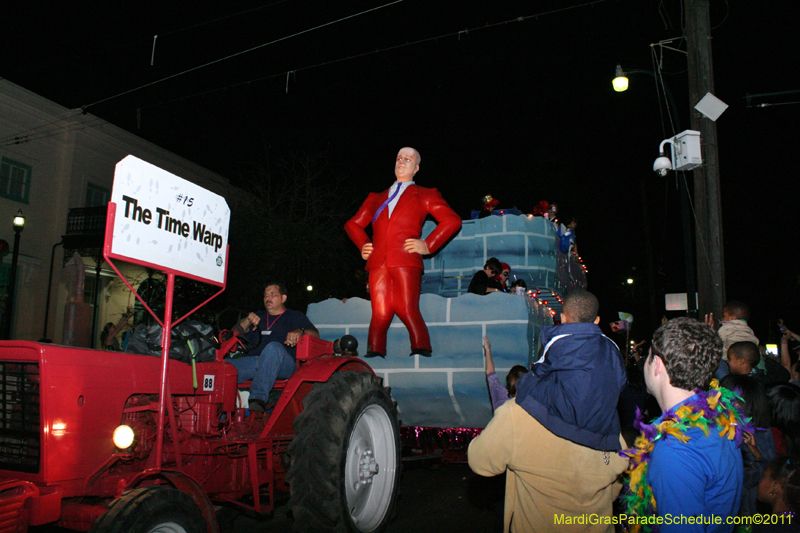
[86, 220]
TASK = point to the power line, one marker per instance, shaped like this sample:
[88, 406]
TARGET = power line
[11, 140]
[28, 136]
[240, 53]
[148, 39]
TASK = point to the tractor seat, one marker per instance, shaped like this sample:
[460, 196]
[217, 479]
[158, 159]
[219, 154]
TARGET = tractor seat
[308, 348]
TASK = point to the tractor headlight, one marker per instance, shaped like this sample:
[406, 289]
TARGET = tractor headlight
[123, 437]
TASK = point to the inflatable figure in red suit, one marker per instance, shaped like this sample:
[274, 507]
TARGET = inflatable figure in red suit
[394, 255]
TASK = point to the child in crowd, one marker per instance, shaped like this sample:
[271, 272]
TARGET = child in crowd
[734, 325]
[744, 358]
[497, 392]
[785, 355]
[572, 390]
[733, 329]
[759, 449]
[784, 403]
[780, 489]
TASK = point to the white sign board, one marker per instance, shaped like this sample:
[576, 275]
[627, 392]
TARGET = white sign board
[677, 301]
[166, 221]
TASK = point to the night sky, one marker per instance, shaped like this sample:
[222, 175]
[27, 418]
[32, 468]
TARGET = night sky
[510, 98]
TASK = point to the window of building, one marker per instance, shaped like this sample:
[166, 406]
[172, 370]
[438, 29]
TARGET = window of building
[15, 180]
[96, 196]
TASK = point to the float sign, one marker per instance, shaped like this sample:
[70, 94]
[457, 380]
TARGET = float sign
[169, 222]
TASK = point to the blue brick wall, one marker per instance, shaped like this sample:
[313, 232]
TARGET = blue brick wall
[526, 243]
[449, 389]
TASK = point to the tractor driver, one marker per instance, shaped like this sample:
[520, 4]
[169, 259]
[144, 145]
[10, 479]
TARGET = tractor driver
[276, 332]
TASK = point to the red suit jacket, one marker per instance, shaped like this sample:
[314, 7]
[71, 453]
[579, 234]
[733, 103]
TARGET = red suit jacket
[389, 234]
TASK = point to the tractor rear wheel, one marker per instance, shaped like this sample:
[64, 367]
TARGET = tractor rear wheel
[153, 509]
[345, 459]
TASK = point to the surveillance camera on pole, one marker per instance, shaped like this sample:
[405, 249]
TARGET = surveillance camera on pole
[684, 153]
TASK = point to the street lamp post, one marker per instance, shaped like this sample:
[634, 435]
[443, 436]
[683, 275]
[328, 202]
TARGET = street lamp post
[19, 225]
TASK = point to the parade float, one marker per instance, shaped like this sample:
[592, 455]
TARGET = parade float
[443, 400]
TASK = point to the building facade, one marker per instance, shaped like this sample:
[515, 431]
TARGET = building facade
[57, 168]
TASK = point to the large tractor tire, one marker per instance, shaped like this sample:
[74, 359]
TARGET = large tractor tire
[154, 509]
[345, 459]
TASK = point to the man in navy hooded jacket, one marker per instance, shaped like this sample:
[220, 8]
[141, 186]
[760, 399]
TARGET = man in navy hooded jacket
[572, 390]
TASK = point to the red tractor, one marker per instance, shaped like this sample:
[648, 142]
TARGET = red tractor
[114, 442]
[79, 442]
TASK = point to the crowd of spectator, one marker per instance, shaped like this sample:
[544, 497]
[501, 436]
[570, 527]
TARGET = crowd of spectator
[704, 424]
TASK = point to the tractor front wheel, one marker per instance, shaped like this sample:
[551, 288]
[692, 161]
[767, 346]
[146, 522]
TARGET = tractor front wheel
[153, 509]
[345, 459]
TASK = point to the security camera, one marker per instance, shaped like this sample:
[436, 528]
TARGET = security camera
[662, 165]
[685, 152]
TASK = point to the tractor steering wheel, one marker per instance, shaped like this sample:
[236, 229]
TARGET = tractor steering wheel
[243, 344]
[246, 343]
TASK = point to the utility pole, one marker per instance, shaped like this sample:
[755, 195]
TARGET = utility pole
[710, 258]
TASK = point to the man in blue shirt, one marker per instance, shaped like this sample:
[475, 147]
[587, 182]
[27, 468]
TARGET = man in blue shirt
[701, 477]
[276, 332]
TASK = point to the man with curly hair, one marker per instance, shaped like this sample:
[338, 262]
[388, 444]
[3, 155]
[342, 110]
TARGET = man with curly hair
[698, 471]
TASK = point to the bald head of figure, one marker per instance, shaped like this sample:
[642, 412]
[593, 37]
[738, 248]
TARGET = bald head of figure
[406, 164]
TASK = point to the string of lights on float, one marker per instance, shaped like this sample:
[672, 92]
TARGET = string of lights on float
[544, 298]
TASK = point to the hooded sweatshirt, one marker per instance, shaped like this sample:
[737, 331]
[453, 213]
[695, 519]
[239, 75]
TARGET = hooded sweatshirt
[574, 388]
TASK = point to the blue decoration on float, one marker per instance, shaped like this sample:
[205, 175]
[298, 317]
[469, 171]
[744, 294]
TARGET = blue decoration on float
[449, 390]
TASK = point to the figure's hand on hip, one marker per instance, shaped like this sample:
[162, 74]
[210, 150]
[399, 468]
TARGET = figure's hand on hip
[366, 250]
[416, 246]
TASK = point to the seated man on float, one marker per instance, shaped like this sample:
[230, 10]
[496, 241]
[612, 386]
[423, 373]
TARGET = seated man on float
[484, 281]
[276, 332]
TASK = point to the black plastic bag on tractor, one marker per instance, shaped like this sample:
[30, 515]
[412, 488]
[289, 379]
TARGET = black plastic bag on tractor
[191, 340]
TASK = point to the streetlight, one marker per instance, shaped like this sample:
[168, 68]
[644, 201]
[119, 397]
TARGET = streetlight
[19, 225]
[620, 81]
[620, 84]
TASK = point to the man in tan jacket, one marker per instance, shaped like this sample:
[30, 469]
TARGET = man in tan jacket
[560, 442]
[552, 484]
